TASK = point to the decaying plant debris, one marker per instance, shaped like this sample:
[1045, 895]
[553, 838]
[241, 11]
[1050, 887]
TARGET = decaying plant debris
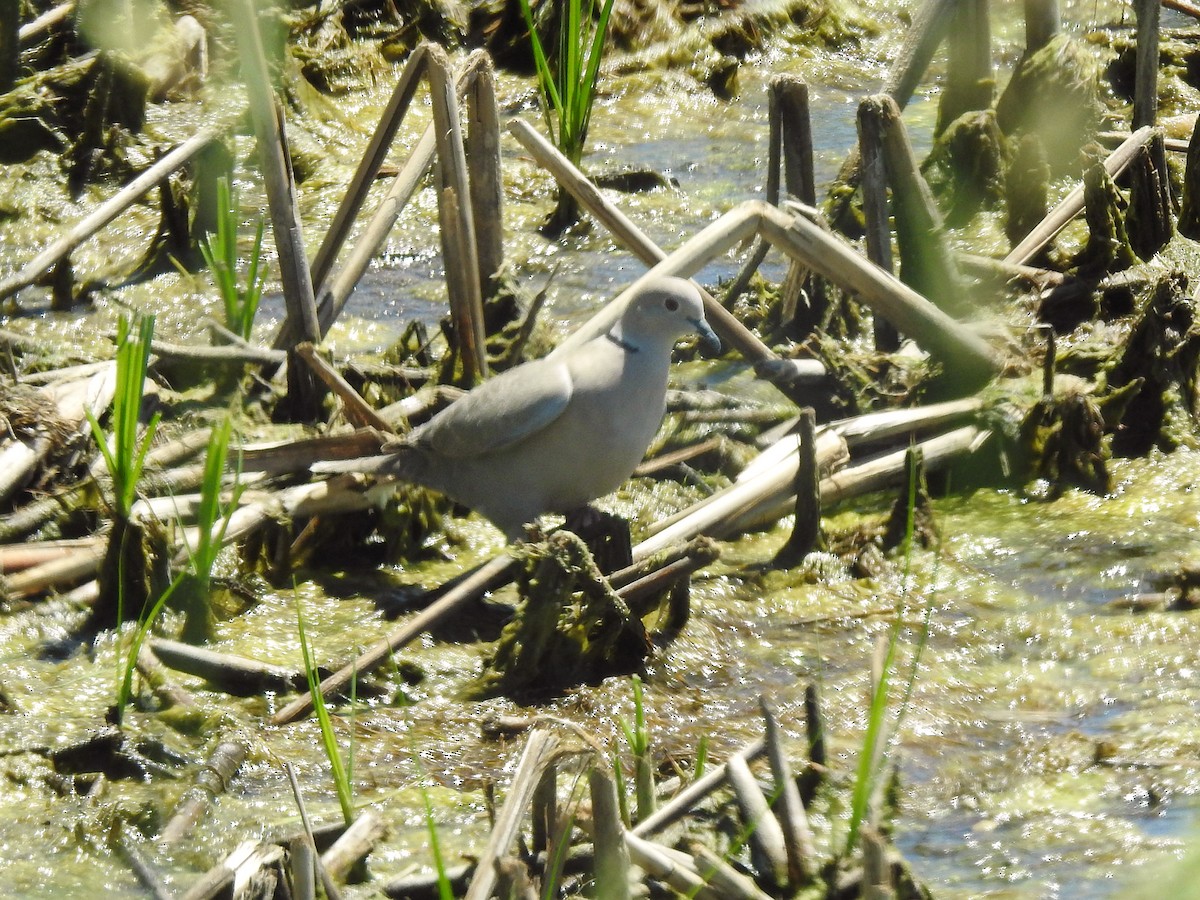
[994, 408]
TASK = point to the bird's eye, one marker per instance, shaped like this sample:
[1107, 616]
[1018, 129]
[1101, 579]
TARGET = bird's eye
[671, 304]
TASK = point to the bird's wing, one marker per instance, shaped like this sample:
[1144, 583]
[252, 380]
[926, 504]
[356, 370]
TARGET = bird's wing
[501, 411]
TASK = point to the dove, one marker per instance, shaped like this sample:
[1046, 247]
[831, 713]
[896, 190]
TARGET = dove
[555, 433]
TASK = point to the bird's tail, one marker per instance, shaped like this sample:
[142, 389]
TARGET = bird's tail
[363, 465]
[401, 464]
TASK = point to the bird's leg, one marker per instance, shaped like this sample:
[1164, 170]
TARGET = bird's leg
[605, 534]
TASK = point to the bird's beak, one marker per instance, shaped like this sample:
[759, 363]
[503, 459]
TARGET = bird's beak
[708, 338]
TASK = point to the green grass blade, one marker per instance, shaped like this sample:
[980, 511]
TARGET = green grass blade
[592, 75]
[256, 278]
[328, 739]
[445, 889]
[209, 513]
[546, 79]
[101, 440]
[872, 758]
[701, 758]
[125, 691]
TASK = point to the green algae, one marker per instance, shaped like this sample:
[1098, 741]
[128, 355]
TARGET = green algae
[1043, 722]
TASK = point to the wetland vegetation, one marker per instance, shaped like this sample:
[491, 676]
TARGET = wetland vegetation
[944, 625]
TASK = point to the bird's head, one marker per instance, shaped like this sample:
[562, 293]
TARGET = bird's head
[665, 310]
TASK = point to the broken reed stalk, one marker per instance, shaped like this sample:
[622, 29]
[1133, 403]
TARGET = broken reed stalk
[795, 137]
[969, 78]
[1042, 22]
[65, 503]
[926, 258]
[726, 325]
[353, 845]
[724, 511]
[302, 868]
[81, 565]
[1183, 6]
[891, 423]
[337, 495]
[18, 461]
[806, 532]
[158, 679]
[369, 165]
[797, 836]
[35, 553]
[789, 158]
[331, 889]
[277, 173]
[1072, 204]
[486, 176]
[804, 297]
[234, 675]
[874, 474]
[957, 346]
[874, 181]
[357, 410]
[888, 469]
[1029, 276]
[929, 26]
[1145, 82]
[336, 288]
[876, 867]
[540, 748]
[227, 355]
[147, 873]
[766, 836]
[60, 248]
[814, 727]
[298, 455]
[608, 838]
[679, 805]
[666, 865]
[211, 781]
[47, 21]
[764, 490]
[459, 246]
[544, 809]
[728, 882]
[1189, 208]
[242, 864]
[466, 590]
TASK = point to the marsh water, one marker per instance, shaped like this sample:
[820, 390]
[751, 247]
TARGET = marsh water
[1051, 745]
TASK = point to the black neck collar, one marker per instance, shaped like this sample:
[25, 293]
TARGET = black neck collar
[620, 342]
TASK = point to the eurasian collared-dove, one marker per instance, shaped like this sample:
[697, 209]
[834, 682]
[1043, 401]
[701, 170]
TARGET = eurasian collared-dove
[552, 434]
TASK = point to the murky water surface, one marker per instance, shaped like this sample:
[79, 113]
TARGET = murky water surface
[1052, 743]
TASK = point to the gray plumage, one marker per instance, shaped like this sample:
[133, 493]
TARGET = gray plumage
[553, 434]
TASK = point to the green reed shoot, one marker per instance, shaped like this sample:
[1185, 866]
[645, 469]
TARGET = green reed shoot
[445, 889]
[212, 517]
[568, 82]
[872, 760]
[338, 768]
[701, 758]
[145, 622]
[212, 520]
[125, 455]
[220, 251]
[638, 738]
[558, 842]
